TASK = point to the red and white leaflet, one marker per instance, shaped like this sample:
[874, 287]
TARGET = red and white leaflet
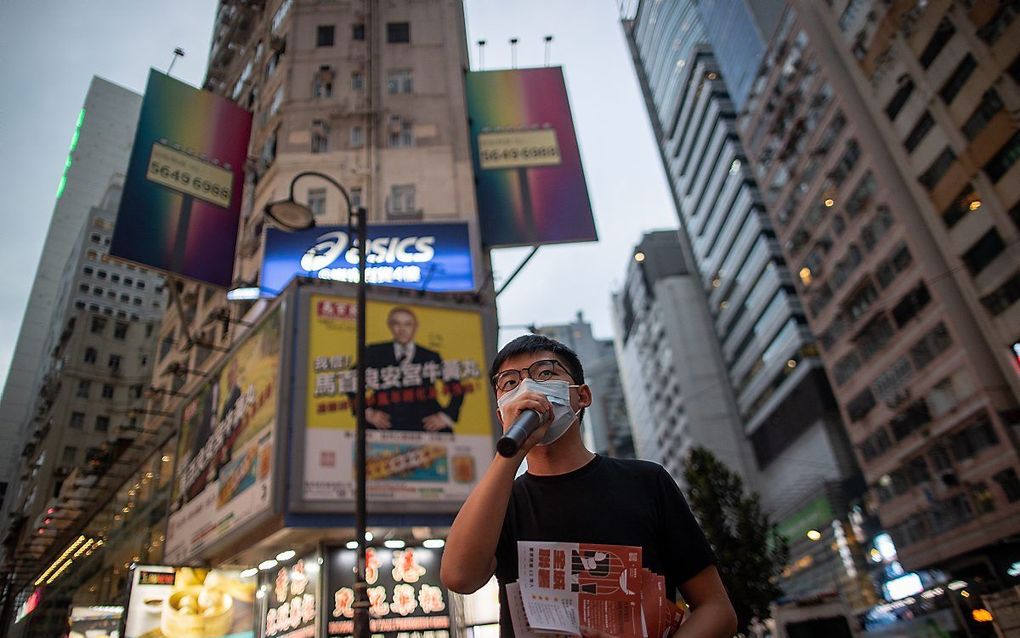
[522, 626]
[604, 580]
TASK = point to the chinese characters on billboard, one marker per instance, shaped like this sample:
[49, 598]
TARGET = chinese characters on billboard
[428, 407]
[403, 589]
[225, 449]
[167, 601]
[529, 180]
[182, 193]
[291, 603]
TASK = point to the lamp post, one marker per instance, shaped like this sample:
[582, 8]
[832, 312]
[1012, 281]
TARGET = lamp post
[292, 215]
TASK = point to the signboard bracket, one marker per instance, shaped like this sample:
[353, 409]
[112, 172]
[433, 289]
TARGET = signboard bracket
[519, 268]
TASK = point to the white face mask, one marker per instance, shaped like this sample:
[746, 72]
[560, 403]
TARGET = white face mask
[558, 393]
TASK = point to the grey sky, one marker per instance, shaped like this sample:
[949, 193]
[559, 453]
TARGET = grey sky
[51, 49]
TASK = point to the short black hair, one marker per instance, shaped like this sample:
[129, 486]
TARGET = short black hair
[529, 344]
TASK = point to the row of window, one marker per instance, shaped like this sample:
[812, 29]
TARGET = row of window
[84, 390]
[398, 82]
[120, 314]
[400, 134]
[396, 33]
[112, 294]
[115, 278]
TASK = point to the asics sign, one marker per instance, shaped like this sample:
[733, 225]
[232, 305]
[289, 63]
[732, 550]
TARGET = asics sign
[330, 246]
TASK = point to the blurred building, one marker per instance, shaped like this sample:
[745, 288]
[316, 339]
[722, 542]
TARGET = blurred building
[673, 377]
[100, 142]
[883, 138]
[783, 404]
[606, 426]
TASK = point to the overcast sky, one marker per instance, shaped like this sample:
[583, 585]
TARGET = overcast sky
[50, 49]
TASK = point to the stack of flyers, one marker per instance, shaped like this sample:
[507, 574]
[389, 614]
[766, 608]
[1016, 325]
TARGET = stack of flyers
[563, 587]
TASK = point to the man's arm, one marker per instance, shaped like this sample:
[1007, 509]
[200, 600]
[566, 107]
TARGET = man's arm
[469, 558]
[712, 614]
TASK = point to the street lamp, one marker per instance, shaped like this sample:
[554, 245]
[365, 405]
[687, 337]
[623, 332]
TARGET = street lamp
[294, 216]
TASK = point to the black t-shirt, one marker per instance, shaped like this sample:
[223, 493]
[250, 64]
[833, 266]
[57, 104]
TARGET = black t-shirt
[608, 501]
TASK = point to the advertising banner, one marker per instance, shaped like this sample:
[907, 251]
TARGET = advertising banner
[433, 257]
[404, 590]
[291, 603]
[428, 408]
[167, 602]
[182, 193]
[95, 622]
[225, 448]
[530, 184]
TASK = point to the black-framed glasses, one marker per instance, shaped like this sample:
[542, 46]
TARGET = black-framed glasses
[541, 370]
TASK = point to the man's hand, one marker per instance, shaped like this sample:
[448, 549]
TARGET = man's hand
[378, 418]
[436, 422]
[528, 401]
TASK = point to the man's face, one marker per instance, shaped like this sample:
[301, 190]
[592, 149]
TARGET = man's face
[403, 325]
[580, 397]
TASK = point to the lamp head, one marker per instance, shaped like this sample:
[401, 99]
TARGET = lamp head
[290, 214]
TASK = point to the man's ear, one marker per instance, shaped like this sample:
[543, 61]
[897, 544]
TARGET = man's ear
[584, 395]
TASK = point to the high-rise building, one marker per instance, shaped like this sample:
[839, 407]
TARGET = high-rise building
[606, 425]
[882, 139]
[101, 140]
[673, 377]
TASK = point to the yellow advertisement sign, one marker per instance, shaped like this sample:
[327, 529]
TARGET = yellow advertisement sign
[518, 149]
[428, 408]
[224, 452]
[189, 175]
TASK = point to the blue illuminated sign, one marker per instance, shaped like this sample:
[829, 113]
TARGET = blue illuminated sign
[433, 257]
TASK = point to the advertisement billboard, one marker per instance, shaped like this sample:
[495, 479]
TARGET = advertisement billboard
[429, 413]
[433, 257]
[291, 604]
[529, 180]
[170, 601]
[404, 590]
[223, 477]
[182, 192]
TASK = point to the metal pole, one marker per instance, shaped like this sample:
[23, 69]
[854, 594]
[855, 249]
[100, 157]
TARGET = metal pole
[361, 604]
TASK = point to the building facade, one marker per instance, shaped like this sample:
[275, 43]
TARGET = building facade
[100, 143]
[606, 425]
[880, 136]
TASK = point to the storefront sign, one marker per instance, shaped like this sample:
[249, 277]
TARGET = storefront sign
[94, 622]
[403, 589]
[224, 473]
[182, 193]
[28, 605]
[528, 175]
[186, 601]
[290, 593]
[429, 412]
[433, 257]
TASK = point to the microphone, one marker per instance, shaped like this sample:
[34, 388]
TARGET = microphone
[526, 423]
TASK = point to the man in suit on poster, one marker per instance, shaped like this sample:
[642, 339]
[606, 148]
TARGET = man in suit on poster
[408, 400]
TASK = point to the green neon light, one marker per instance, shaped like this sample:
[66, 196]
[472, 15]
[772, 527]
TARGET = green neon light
[74, 145]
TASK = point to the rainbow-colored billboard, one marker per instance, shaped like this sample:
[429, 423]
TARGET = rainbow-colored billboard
[530, 183]
[182, 194]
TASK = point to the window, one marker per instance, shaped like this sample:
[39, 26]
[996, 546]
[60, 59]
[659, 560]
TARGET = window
[397, 32]
[316, 201]
[358, 31]
[320, 142]
[90, 355]
[324, 35]
[989, 107]
[846, 367]
[101, 274]
[930, 346]
[280, 15]
[846, 162]
[943, 33]
[911, 304]
[892, 109]
[973, 440]
[322, 84]
[959, 77]
[967, 201]
[83, 288]
[357, 137]
[1009, 483]
[140, 285]
[402, 200]
[401, 133]
[102, 423]
[77, 421]
[83, 389]
[356, 196]
[70, 455]
[128, 281]
[401, 81]
[1000, 299]
[983, 252]
[1002, 161]
[120, 330]
[87, 270]
[107, 391]
[920, 130]
[357, 81]
[938, 168]
[98, 325]
[859, 406]
[997, 24]
[114, 362]
[137, 301]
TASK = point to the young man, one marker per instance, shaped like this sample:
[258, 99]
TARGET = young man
[570, 494]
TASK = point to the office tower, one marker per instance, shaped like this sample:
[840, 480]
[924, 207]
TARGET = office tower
[881, 137]
[606, 425]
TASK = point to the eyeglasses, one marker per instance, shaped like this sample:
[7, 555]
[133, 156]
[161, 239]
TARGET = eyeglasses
[542, 370]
